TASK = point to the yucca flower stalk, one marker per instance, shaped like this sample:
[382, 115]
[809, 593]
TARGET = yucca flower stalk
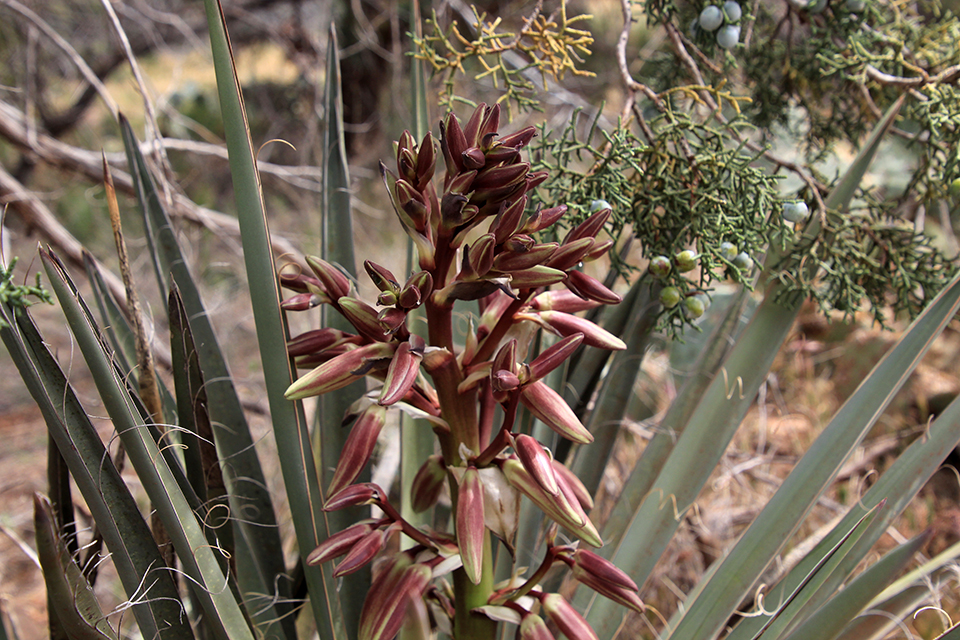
[476, 239]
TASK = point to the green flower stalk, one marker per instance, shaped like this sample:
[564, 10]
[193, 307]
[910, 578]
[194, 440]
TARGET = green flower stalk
[476, 239]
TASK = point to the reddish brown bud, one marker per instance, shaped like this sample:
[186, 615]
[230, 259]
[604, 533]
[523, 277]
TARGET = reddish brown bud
[602, 569]
[363, 317]
[316, 340]
[338, 372]
[537, 462]
[554, 356]
[500, 154]
[339, 543]
[473, 158]
[428, 483]
[426, 161]
[334, 283]
[567, 325]
[358, 448]
[543, 219]
[535, 277]
[401, 375]
[388, 599]
[590, 288]
[551, 409]
[567, 619]
[453, 144]
[599, 249]
[503, 176]
[470, 528]
[562, 300]
[519, 139]
[570, 254]
[489, 126]
[300, 282]
[413, 204]
[471, 130]
[362, 552]
[518, 261]
[303, 301]
[532, 627]
[618, 594]
[573, 482]
[507, 222]
[503, 382]
[590, 227]
[382, 277]
[392, 319]
[354, 495]
[506, 358]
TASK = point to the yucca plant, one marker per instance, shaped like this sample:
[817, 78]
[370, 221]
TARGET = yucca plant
[514, 544]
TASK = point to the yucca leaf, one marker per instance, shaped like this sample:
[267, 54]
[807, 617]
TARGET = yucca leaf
[257, 530]
[158, 473]
[712, 423]
[829, 621]
[814, 473]
[641, 309]
[77, 609]
[787, 612]
[897, 487]
[879, 620]
[289, 423]
[133, 551]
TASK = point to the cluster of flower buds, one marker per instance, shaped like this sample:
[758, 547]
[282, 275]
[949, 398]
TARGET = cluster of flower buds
[476, 240]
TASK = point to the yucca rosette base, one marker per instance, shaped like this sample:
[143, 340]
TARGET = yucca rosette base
[476, 239]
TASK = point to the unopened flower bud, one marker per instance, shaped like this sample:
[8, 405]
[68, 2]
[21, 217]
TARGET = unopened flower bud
[508, 221]
[550, 408]
[389, 597]
[426, 161]
[590, 288]
[401, 374]
[338, 372]
[590, 227]
[519, 139]
[567, 325]
[354, 495]
[335, 284]
[532, 627]
[303, 301]
[536, 277]
[543, 219]
[382, 277]
[339, 543]
[428, 483]
[537, 462]
[568, 620]
[562, 300]
[473, 158]
[358, 448]
[362, 552]
[554, 356]
[470, 528]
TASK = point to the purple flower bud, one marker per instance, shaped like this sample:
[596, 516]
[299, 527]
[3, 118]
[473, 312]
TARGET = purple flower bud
[535, 277]
[362, 552]
[363, 317]
[426, 161]
[554, 356]
[503, 176]
[453, 144]
[389, 598]
[412, 203]
[567, 324]
[519, 139]
[506, 358]
[317, 340]
[358, 447]
[570, 254]
[473, 158]
[338, 372]
[603, 569]
[500, 154]
[537, 462]
[428, 483]
[590, 227]
[382, 277]
[392, 319]
[470, 528]
[303, 301]
[339, 543]
[401, 375]
[550, 408]
[573, 482]
[590, 288]
[532, 627]
[562, 300]
[335, 284]
[300, 282]
[471, 130]
[568, 620]
[618, 594]
[478, 259]
[544, 218]
[517, 261]
[507, 222]
[354, 495]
